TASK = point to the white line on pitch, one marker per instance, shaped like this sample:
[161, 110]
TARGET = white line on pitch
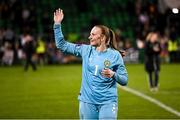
[158, 103]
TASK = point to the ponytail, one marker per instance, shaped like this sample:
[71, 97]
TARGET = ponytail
[113, 42]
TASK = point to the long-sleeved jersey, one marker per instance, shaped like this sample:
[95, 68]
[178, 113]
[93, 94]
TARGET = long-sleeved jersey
[95, 88]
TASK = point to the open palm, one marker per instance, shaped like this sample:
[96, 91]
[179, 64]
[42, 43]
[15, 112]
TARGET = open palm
[58, 16]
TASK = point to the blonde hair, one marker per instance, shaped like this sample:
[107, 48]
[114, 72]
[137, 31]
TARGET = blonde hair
[148, 37]
[110, 38]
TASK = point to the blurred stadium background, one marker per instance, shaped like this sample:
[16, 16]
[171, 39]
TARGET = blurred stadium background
[51, 91]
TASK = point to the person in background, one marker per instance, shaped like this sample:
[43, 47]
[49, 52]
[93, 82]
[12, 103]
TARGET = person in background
[103, 68]
[8, 54]
[41, 51]
[29, 50]
[152, 59]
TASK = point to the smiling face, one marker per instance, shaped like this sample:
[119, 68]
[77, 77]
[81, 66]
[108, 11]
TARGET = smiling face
[96, 37]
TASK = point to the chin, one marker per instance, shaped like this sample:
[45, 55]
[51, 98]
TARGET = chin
[93, 44]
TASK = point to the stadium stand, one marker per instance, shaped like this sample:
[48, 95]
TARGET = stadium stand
[134, 19]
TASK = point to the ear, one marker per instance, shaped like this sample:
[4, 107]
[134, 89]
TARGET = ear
[106, 41]
[103, 38]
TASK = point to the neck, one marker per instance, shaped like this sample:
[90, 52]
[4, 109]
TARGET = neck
[101, 48]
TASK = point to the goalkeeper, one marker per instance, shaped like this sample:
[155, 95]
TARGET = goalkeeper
[103, 68]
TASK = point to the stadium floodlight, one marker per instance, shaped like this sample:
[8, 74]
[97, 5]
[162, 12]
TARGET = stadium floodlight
[175, 10]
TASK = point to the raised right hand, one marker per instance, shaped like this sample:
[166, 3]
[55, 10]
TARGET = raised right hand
[58, 16]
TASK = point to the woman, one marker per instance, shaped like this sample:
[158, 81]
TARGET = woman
[152, 60]
[102, 67]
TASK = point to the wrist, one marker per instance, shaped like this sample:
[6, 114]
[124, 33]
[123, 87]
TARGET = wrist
[57, 23]
[112, 74]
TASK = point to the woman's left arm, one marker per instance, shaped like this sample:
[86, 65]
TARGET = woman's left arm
[121, 75]
[119, 72]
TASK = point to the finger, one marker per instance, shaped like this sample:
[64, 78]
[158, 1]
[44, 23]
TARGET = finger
[107, 76]
[104, 70]
[105, 73]
[59, 10]
[62, 13]
[56, 12]
[102, 73]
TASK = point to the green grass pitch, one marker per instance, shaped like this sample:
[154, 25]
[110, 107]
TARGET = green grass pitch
[51, 93]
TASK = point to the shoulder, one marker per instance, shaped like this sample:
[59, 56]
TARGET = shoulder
[84, 48]
[115, 54]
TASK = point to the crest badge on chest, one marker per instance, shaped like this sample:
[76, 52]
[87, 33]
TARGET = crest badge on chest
[107, 64]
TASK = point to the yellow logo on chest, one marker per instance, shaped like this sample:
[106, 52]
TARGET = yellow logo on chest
[107, 63]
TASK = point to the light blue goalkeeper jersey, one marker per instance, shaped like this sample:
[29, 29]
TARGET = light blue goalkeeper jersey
[95, 88]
